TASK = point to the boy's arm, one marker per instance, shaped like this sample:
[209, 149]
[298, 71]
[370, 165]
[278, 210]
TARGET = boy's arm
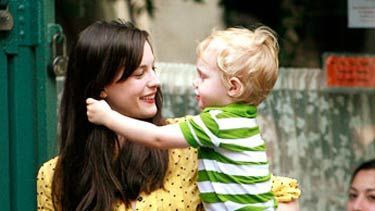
[169, 136]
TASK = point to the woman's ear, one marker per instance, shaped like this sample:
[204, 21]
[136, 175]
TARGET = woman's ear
[103, 94]
[235, 87]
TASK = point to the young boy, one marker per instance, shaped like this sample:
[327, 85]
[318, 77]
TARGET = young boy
[237, 69]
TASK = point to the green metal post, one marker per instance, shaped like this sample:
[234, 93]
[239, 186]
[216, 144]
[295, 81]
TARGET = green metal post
[28, 105]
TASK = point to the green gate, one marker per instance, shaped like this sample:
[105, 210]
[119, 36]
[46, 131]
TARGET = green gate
[27, 98]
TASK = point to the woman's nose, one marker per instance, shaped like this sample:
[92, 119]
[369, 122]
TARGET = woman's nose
[154, 80]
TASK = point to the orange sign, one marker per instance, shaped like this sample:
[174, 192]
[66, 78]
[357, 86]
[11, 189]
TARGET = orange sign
[350, 71]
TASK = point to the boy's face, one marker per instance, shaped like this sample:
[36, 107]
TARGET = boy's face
[209, 87]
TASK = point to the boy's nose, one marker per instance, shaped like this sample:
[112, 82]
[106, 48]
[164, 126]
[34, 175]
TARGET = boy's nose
[358, 203]
[195, 83]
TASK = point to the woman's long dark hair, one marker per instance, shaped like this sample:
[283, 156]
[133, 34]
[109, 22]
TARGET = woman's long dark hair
[93, 172]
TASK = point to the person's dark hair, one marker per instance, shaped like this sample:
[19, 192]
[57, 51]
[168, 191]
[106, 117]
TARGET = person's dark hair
[367, 165]
[93, 171]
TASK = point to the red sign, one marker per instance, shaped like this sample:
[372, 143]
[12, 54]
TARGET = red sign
[350, 71]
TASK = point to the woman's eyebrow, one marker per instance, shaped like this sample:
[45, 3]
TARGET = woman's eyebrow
[142, 66]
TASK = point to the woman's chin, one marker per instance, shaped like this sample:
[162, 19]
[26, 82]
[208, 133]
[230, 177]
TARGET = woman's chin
[149, 112]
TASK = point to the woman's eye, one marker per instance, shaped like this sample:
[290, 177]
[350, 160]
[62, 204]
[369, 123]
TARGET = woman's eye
[139, 74]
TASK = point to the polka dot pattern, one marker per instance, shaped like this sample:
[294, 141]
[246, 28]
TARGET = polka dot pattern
[179, 192]
[285, 189]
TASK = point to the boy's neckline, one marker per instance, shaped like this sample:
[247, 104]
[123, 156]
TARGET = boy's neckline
[240, 108]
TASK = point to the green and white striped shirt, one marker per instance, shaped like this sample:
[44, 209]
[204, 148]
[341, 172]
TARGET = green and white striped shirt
[233, 169]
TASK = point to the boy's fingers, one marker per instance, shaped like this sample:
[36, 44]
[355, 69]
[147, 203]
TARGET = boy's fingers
[89, 100]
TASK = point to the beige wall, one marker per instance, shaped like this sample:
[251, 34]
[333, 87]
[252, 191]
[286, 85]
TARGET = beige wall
[176, 27]
[179, 24]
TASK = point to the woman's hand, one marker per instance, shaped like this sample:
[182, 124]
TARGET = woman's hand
[288, 206]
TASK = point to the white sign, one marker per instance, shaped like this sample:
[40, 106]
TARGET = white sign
[361, 13]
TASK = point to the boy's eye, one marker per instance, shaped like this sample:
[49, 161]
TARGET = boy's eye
[202, 76]
[371, 198]
[352, 196]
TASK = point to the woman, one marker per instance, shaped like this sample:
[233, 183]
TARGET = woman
[362, 188]
[97, 169]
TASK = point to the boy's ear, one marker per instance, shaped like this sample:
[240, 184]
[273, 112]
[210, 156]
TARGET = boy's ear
[235, 87]
[103, 94]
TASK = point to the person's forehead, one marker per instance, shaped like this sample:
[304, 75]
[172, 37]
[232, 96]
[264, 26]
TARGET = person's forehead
[148, 56]
[365, 177]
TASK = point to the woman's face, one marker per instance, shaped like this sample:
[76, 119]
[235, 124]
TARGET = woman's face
[362, 191]
[135, 97]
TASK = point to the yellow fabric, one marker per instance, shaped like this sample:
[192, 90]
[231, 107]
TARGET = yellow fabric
[180, 190]
[285, 189]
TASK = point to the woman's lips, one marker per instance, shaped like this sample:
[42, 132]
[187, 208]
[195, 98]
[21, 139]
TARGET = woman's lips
[148, 99]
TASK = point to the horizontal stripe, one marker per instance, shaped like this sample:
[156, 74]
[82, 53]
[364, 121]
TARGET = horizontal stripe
[233, 123]
[243, 199]
[226, 177]
[236, 109]
[244, 156]
[211, 154]
[238, 133]
[234, 133]
[236, 148]
[236, 170]
[250, 142]
[229, 205]
[234, 189]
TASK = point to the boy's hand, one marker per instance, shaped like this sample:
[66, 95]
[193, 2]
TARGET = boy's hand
[98, 112]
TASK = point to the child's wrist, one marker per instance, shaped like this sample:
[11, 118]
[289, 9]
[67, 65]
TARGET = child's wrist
[109, 117]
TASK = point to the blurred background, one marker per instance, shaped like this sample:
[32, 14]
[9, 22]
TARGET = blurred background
[319, 121]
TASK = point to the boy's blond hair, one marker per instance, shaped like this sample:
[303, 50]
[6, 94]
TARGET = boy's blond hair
[250, 55]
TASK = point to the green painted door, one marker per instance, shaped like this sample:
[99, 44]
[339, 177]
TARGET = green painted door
[27, 98]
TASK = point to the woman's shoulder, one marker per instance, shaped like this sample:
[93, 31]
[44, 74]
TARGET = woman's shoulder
[44, 184]
[183, 162]
[47, 169]
[183, 155]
